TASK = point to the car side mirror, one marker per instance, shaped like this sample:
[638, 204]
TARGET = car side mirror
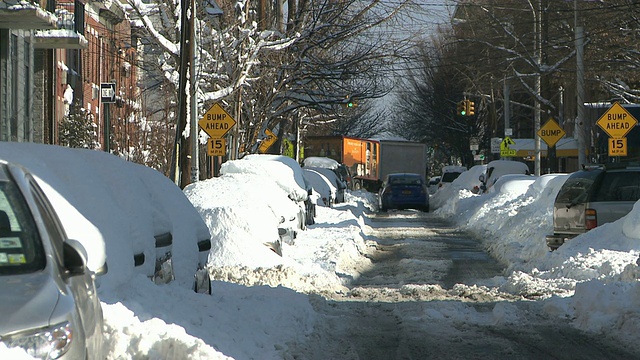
[481, 178]
[75, 257]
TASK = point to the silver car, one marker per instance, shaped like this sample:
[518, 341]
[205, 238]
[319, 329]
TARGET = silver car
[50, 306]
[592, 197]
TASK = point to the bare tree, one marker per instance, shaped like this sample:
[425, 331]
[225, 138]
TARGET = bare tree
[515, 42]
[279, 70]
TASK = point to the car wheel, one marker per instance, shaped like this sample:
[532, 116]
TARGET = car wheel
[202, 282]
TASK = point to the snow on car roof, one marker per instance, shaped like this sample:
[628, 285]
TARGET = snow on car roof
[321, 162]
[282, 174]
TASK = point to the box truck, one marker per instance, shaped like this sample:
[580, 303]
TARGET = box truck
[369, 161]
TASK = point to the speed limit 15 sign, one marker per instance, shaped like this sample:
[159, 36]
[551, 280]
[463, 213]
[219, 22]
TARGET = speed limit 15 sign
[216, 147]
[618, 147]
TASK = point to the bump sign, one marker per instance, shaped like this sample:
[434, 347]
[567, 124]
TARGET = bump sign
[551, 132]
[617, 121]
[216, 122]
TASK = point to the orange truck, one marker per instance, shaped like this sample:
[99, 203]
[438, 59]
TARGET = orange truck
[360, 156]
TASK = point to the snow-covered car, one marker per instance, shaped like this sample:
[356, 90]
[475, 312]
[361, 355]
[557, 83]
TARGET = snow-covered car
[295, 184]
[433, 185]
[339, 185]
[468, 180]
[144, 223]
[322, 186]
[498, 168]
[50, 306]
[217, 198]
[289, 199]
[341, 170]
[450, 173]
[512, 183]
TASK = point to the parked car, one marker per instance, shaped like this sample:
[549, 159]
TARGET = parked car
[280, 197]
[339, 185]
[404, 191]
[450, 173]
[341, 170]
[592, 197]
[433, 184]
[50, 306]
[512, 183]
[302, 193]
[321, 185]
[497, 168]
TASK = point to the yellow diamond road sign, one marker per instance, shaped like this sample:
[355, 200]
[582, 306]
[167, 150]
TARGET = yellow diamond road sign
[216, 122]
[268, 141]
[505, 150]
[617, 121]
[551, 132]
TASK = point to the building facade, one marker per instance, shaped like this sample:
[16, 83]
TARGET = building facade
[55, 54]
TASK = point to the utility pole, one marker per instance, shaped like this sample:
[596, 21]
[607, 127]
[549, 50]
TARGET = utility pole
[180, 160]
[538, 55]
[579, 125]
[195, 161]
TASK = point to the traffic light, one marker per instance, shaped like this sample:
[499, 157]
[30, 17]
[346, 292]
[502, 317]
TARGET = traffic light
[350, 102]
[461, 108]
[471, 109]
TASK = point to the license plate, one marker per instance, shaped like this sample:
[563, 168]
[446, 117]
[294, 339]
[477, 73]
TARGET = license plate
[406, 192]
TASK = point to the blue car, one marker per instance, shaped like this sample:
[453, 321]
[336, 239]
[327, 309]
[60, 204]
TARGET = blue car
[404, 191]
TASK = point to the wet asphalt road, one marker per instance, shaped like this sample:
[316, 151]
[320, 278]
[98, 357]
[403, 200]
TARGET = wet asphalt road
[425, 296]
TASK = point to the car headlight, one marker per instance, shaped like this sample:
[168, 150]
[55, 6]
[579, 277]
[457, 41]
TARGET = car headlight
[47, 343]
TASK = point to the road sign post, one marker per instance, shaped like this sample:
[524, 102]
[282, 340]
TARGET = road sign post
[551, 132]
[216, 123]
[268, 141]
[505, 149]
[617, 122]
[107, 96]
[618, 147]
[216, 147]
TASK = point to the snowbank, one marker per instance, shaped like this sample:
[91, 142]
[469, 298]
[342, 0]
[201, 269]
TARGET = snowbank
[593, 278]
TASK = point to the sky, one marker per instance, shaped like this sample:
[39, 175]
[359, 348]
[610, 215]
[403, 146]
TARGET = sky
[261, 302]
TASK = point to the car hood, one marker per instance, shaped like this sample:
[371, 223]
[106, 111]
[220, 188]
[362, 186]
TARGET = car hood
[27, 301]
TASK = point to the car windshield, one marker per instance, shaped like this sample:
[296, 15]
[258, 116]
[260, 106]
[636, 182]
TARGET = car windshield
[21, 249]
[405, 180]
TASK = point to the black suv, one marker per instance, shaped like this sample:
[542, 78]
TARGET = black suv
[592, 197]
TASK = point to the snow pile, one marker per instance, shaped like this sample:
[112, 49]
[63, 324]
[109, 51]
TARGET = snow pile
[593, 278]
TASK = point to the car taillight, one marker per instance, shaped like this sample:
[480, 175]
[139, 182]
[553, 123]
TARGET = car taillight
[591, 219]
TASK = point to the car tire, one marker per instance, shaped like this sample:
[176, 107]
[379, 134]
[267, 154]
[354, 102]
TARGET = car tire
[204, 285]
